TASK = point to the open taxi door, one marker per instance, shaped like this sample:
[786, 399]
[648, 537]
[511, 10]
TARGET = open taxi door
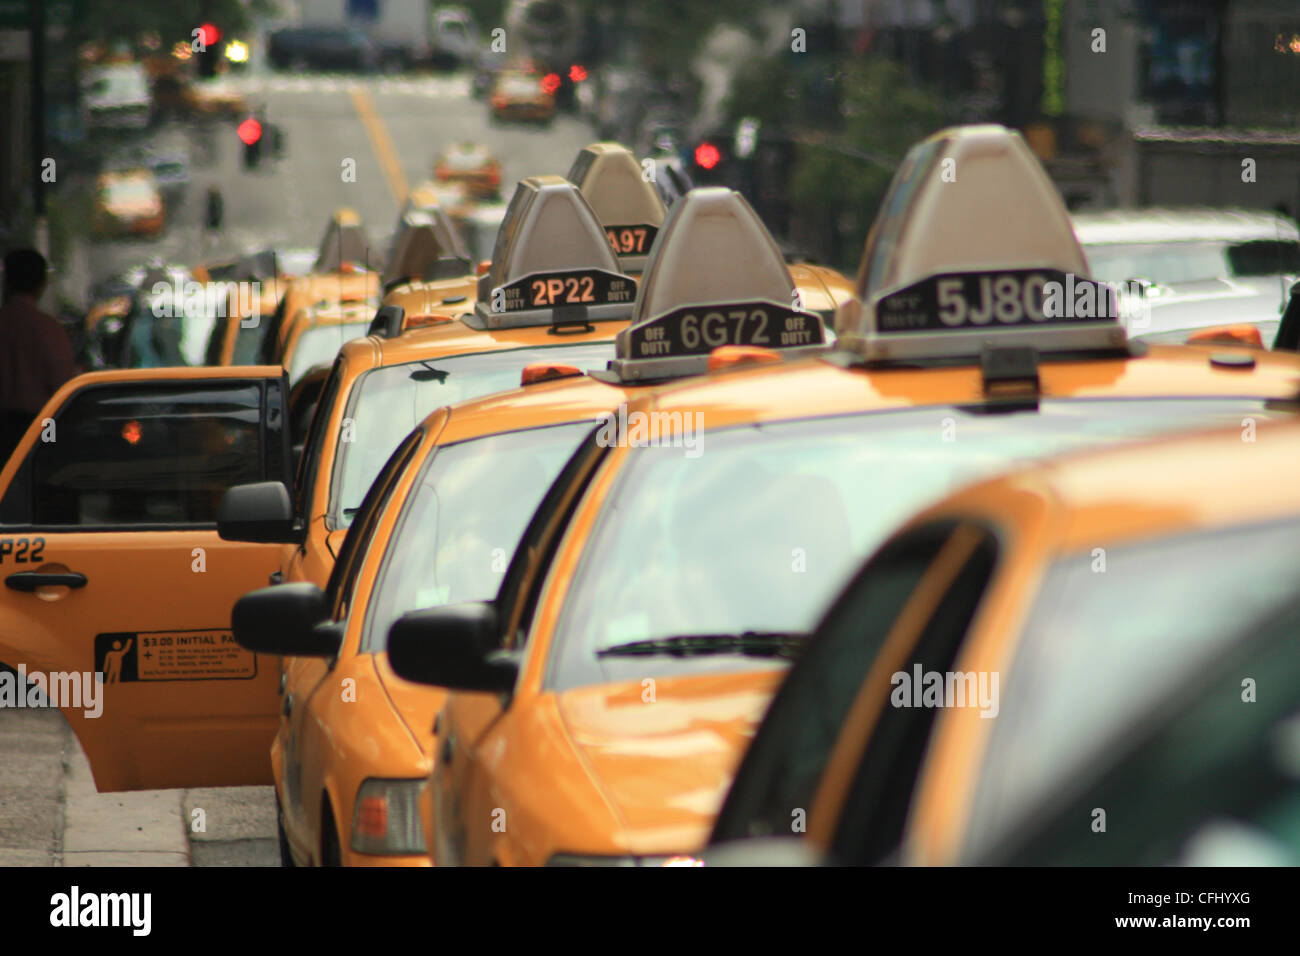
[117, 590]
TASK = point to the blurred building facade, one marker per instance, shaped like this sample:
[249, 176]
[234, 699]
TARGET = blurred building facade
[1128, 102]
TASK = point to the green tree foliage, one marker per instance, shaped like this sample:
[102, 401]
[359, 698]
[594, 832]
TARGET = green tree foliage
[849, 133]
[882, 117]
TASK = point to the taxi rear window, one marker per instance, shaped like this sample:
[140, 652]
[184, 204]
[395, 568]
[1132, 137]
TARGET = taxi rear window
[388, 402]
[129, 456]
[319, 344]
[1100, 648]
[757, 528]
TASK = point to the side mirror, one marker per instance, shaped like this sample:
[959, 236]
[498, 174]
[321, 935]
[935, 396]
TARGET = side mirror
[259, 512]
[453, 646]
[290, 620]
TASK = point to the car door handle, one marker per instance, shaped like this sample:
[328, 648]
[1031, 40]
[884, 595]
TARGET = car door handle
[287, 708]
[31, 580]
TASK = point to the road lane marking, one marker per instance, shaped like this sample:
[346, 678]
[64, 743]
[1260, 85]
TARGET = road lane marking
[382, 146]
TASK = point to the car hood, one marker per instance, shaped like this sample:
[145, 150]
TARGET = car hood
[665, 764]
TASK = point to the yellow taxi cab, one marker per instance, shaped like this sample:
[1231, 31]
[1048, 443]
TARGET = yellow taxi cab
[345, 272]
[128, 203]
[252, 287]
[1049, 643]
[314, 336]
[517, 95]
[112, 567]
[597, 709]
[472, 165]
[436, 527]
[326, 754]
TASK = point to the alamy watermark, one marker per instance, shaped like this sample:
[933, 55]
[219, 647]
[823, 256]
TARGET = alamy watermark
[1082, 298]
[177, 299]
[69, 690]
[637, 429]
[922, 688]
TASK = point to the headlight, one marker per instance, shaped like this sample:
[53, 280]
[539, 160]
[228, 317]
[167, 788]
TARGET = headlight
[386, 819]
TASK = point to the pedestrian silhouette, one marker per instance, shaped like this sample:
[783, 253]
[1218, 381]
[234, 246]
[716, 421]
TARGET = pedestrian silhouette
[113, 661]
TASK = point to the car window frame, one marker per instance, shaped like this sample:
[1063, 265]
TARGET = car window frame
[356, 542]
[851, 827]
[272, 463]
[768, 751]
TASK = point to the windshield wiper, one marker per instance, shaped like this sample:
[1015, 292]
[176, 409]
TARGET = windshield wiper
[755, 643]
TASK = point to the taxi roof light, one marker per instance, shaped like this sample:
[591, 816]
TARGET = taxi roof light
[938, 283]
[714, 277]
[630, 208]
[425, 237]
[556, 255]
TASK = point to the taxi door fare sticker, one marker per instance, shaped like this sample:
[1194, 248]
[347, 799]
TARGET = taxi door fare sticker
[698, 330]
[631, 240]
[1005, 297]
[172, 656]
[545, 290]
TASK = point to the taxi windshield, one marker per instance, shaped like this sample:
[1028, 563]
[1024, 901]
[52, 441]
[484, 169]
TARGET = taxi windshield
[319, 344]
[388, 402]
[753, 536]
[1099, 649]
[462, 521]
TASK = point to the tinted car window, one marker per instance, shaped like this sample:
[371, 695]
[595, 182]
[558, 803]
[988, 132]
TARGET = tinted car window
[1210, 778]
[1100, 645]
[147, 454]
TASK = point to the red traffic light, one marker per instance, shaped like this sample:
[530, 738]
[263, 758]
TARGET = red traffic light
[250, 131]
[707, 155]
[550, 82]
[577, 73]
[209, 34]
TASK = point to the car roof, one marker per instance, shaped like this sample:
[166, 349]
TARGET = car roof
[1185, 224]
[457, 338]
[1170, 485]
[824, 386]
[531, 406]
